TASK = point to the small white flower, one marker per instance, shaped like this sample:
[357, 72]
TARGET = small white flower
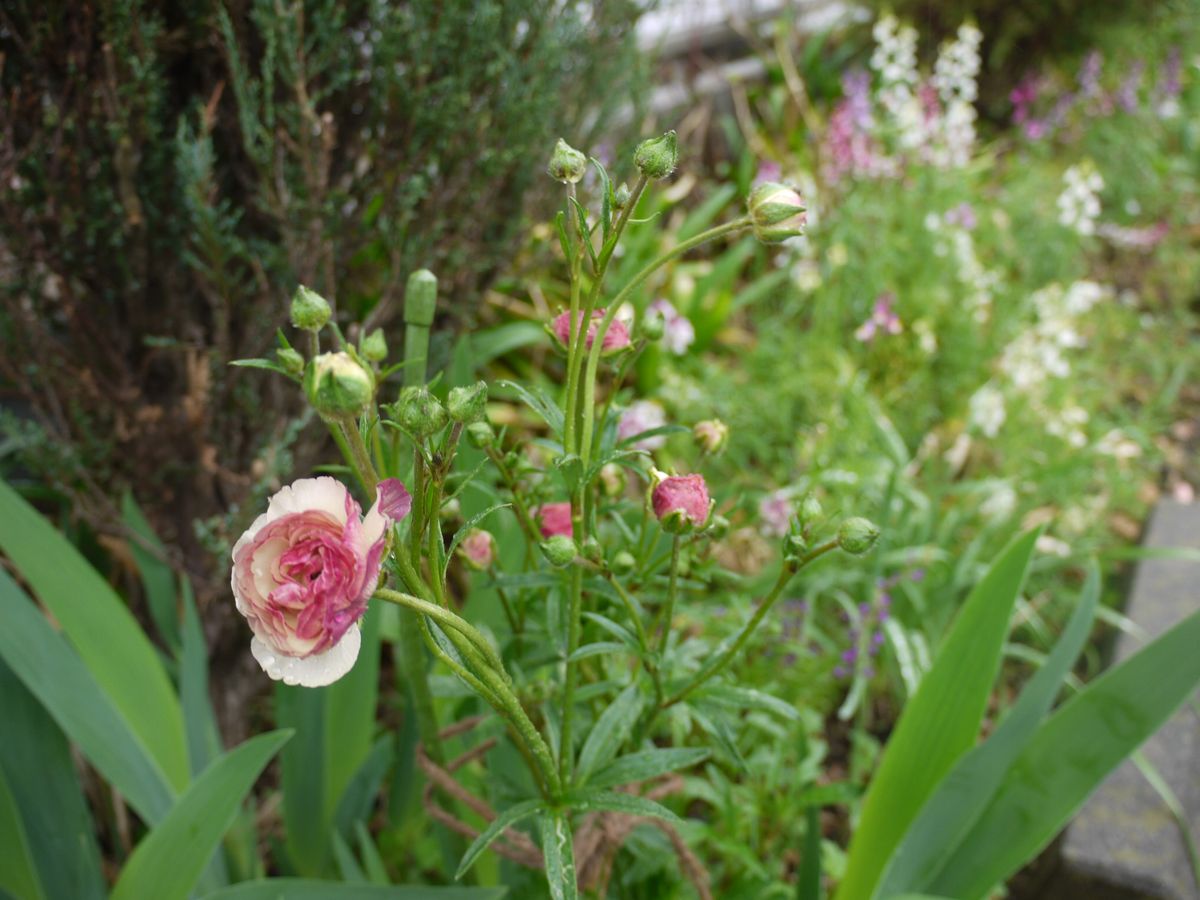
[987, 410]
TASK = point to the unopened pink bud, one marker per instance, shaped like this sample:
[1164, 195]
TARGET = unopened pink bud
[616, 338]
[478, 549]
[555, 518]
[681, 502]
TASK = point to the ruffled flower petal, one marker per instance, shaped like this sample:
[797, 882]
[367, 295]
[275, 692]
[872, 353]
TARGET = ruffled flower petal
[317, 670]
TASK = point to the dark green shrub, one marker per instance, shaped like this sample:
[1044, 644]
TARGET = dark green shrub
[171, 171]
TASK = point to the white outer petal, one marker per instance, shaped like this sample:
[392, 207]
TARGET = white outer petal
[323, 494]
[311, 671]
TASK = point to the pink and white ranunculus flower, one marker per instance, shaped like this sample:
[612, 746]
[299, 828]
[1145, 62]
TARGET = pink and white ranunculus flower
[304, 571]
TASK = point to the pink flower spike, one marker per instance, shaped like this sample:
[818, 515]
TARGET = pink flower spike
[681, 502]
[302, 575]
[555, 519]
[395, 501]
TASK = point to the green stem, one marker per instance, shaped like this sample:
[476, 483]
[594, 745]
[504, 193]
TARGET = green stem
[574, 628]
[728, 650]
[360, 458]
[498, 694]
[593, 360]
[668, 612]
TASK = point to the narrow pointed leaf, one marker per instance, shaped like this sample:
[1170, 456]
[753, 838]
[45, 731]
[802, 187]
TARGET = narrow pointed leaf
[510, 816]
[36, 763]
[969, 787]
[940, 722]
[1068, 757]
[54, 673]
[169, 860]
[312, 889]
[647, 764]
[101, 629]
[609, 732]
[630, 804]
[558, 850]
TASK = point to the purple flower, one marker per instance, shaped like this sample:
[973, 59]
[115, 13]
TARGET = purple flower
[963, 216]
[642, 415]
[678, 331]
[882, 318]
[1127, 93]
[1089, 74]
[775, 512]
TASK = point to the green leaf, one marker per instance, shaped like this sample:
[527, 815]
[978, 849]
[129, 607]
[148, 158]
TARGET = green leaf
[309, 889]
[169, 860]
[372, 861]
[350, 715]
[536, 399]
[263, 364]
[968, 788]
[631, 804]
[56, 834]
[158, 578]
[510, 816]
[490, 343]
[1070, 754]
[609, 732]
[18, 871]
[647, 764]
[939, 723]
[303, 776]
[53, 673]
[808, 881]
[359, 797]
[558, 850]
[597, 649]
[103, 631]
[204, 743]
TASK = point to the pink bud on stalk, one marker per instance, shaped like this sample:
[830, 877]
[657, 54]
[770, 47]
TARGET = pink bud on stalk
[555, 518]
[478, 549]
[615, 340]
[304, 571]
[680, 502]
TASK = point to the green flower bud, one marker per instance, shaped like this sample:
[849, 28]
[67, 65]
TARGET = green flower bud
[718, 527]
[711, 435]
[623, 563]
[857, 535]
[777, 211]
[566, 163]
[480, 434]
[613, 479]
[374, 346]
[621, 197]
[810, 509]
[652, 327]
[656, 157]
[290, 361]
[560, 550]
[310, 311]
[590, 550]
[338, 385]
[419, 412]
[468, 404]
